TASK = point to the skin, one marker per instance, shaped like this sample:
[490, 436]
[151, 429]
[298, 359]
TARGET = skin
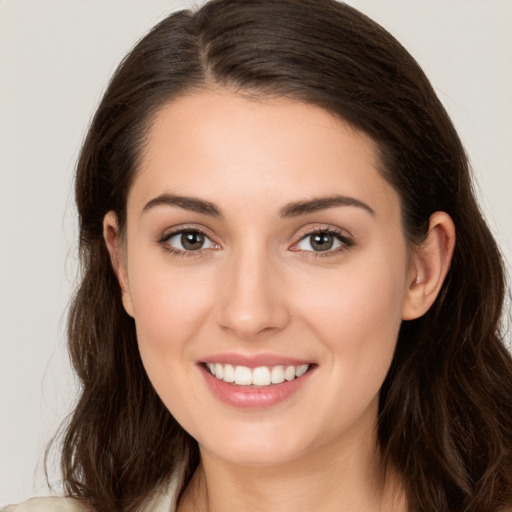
[258, 286]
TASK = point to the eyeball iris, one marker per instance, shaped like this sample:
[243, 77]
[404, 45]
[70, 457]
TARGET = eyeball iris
[192, 240]
[322, 241]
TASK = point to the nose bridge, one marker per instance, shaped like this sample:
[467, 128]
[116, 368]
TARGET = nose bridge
[252, 300]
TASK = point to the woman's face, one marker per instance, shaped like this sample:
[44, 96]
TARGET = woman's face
[263, 243]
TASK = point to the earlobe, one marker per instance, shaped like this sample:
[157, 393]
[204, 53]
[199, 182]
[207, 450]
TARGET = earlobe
[431, 261]
[114, 245]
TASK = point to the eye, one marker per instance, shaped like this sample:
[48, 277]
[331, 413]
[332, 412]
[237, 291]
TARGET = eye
[188, 240]
[323, 241]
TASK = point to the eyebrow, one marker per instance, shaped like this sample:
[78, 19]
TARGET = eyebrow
[294, 209]
[187, 203]
[298, 208]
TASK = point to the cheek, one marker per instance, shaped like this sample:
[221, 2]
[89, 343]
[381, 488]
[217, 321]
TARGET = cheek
[169, 309]
[169, 306]
[357, 313]
[356, 316]
[357, 295]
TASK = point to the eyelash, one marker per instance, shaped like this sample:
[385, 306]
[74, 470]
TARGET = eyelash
[179, 253]
[345, 241]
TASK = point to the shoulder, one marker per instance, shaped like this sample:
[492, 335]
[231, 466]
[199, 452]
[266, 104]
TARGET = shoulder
[163, 499]
[48, 505]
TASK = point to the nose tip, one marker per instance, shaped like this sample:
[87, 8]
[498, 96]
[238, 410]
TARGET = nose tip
[253, 323]
[252, 303]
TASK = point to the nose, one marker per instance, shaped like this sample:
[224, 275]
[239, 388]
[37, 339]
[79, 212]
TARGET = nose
[252, 299]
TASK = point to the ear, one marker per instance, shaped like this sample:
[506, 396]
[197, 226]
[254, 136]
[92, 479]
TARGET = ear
[430, 263]
[117, 257]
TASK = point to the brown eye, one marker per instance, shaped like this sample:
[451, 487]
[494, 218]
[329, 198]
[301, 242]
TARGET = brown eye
[322, 241]
[192, 240]
[189, 240]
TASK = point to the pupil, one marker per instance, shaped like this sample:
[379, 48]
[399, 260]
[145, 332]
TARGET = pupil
[322, 241]
[192, 241]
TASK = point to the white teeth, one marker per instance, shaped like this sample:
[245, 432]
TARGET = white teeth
[228, 374]
[301, 370]
[277, 375]
[289, 373]
[261, 376]
[243, 376]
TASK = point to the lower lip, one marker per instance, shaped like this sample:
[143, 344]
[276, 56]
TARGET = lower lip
[253, 397]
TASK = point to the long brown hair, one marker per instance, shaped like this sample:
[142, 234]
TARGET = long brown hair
[445, 419]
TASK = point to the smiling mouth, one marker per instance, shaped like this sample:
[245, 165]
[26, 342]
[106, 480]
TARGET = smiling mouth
[261, 376]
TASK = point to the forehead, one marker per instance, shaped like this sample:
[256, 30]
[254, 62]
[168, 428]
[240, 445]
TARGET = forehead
[227, 148]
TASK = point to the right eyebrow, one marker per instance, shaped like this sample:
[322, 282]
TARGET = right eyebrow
[187, 203]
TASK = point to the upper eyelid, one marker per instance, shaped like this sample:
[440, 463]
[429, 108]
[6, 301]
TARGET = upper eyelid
[324, 228]
[299, 235]
[176, 230]
[165, 238]
[345, 240]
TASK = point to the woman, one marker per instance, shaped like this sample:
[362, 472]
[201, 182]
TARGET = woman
[289, 296]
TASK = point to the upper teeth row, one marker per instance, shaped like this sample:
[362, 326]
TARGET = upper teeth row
[261, 376]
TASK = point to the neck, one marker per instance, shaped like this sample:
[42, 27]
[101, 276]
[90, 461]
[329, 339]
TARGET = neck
[353, 480]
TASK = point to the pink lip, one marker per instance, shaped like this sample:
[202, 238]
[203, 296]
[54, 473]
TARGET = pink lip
[254, 361]
[248, 397]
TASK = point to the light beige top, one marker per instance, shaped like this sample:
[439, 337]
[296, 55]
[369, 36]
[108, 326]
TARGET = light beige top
[164, 500]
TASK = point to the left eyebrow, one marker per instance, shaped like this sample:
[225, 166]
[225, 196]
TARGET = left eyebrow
[298, 208]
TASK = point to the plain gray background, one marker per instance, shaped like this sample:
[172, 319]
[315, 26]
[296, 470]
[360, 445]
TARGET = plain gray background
[55, 60]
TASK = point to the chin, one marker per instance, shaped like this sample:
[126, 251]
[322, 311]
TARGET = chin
[256, 446]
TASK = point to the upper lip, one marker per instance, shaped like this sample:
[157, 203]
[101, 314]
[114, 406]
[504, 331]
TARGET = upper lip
[254, 361]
